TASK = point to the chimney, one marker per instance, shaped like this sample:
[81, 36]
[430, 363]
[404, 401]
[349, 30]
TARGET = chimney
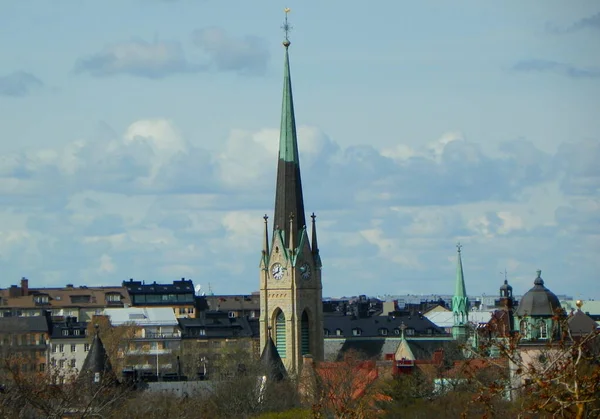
[24, 286]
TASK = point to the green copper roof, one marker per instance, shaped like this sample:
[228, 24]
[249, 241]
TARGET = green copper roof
[459, 289]
[288, 142]
[460, 302]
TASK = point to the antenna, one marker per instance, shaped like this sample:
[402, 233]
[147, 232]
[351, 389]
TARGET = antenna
[505, 275]
[197, 289]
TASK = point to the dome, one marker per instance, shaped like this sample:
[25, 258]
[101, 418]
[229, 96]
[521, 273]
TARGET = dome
[505, 287]
[538, 301]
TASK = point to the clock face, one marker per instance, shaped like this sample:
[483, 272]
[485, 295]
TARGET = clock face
[305, 271]
[277, 271]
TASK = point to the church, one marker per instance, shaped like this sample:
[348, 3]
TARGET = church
[291, 312]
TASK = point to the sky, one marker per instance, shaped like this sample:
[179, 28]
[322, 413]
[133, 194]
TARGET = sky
[138, 139]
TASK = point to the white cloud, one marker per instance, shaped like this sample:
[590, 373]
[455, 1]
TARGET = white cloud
[147, 204]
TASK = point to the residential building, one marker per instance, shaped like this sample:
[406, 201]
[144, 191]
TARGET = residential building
[233, 305]
[69, 346]
[179, 296]
[80, 302]
[207, 339]
[155, 339]
[25, 340]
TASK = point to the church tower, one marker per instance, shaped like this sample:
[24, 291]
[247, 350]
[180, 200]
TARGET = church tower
[290, 268]
[460, 302]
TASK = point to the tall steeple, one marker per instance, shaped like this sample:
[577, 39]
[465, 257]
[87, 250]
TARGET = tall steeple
[460, 301]
[288, 194]
[291, 290]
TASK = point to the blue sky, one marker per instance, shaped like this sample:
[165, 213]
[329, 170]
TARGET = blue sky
[138, 139]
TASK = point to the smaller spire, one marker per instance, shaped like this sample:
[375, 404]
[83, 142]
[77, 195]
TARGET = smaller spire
[266, 238]
[314, 244]
[538, 279]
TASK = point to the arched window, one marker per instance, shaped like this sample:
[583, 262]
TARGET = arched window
[338, 332]
[280, 335]
[523, 327]
[543, 330]
[304, 334]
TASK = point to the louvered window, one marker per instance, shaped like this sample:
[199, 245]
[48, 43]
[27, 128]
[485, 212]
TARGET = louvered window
[280, 337]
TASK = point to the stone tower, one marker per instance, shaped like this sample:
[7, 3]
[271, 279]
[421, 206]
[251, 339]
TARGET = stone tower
[290, 267]
[460, 301]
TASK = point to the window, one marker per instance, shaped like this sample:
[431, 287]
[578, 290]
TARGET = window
[41, 299]
[72, 363]
[65, 332]
[61, 348]
[182, 310]
[338, 332]
[304, 334]
[543, 330]
[53, 362]
[523, 327]
[73, 348]
[231, 314]
[409, 332]
[356, 331]
[383, 331]
[280, 334]
[86, 347]
[325, 332]
[54, 347]
[61, 363]
[76, 332]
[396, 331]
[42, 367]
[113, 298]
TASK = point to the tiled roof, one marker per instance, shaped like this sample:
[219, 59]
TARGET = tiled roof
[373, 326]
[64, 297]
[24, 324]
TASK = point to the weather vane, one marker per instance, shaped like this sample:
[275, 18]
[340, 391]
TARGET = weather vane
[286, 27]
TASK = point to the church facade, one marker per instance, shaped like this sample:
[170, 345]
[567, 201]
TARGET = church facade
[291, 310]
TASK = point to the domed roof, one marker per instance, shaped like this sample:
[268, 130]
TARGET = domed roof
[538, 301]
[505, 286]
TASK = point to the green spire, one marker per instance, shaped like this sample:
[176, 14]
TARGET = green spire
[460, 301]
[288, 195]
[459, 289]
[288, 141]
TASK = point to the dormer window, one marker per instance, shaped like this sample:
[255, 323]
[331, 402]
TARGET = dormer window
[356, 332]
[40, 299]
[409, 331]
[113, 298]
[383, 331]
[65, 332]
[338, 332]
[326, 332]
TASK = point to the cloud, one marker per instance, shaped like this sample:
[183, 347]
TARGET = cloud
[139, 58]
[147, 203]
[18, 84]
[591, 22]
[563, 69]
[247, 56]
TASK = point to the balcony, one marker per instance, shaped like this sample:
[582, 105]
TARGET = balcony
[159, 336]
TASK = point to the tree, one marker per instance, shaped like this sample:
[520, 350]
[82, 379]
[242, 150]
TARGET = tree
[559, 377]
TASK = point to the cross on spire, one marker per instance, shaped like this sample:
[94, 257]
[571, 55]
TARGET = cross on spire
[458, 246]
[286, 28]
